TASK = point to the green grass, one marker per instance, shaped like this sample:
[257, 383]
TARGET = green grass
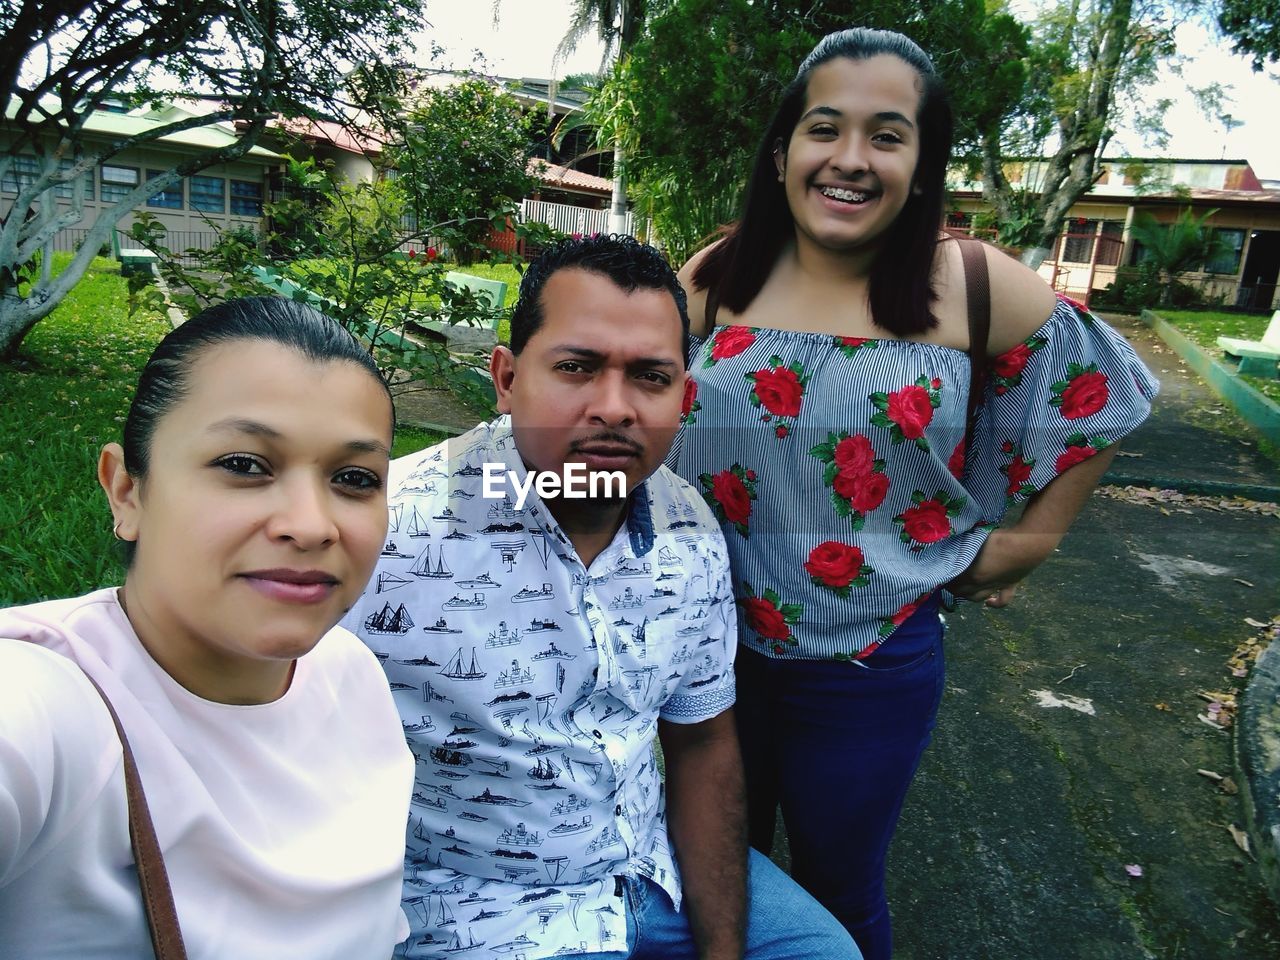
[1204, 327]
[412, 439]
[65, 396]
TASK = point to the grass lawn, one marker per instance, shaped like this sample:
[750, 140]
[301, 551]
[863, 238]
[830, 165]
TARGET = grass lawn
[65, 396]
[1204, 327]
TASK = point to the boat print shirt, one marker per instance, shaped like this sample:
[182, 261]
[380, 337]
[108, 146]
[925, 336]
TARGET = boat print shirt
[530, 689]
[836, 465]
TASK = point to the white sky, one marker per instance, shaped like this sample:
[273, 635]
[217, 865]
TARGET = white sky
[524, 42]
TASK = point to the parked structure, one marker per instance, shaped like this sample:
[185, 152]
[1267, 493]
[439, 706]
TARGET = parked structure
[1096, 240]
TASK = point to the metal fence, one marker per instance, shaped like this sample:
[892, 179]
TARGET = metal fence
[570, 219]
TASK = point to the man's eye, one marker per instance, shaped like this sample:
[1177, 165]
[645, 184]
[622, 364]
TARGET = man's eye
[653, 376]
[243, 464]
[357, 479]
[571, 366]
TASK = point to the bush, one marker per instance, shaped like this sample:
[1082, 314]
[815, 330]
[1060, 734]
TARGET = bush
[1140, 288]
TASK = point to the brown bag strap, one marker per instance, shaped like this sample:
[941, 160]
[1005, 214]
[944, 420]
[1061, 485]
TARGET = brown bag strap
[977, 285]
[157, 897]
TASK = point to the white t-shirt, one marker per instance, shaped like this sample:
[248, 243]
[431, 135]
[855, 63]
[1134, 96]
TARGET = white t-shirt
[282, 824]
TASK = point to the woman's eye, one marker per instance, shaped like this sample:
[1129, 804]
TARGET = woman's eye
[888, 136]
[242, 464]
[359, 480]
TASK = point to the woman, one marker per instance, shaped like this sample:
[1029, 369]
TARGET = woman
[829, 434]
[250, 495]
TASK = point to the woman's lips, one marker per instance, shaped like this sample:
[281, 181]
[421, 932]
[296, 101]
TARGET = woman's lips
[292, 586]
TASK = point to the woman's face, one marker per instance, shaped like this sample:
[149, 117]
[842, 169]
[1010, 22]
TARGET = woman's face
[850, 164]
[260, 517]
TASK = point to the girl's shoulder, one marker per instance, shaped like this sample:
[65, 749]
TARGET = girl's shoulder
[699, 322]
[1021, 300]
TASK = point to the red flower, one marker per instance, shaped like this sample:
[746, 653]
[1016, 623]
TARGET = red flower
[854, 456]
[1086, 394]
[781, 431]
[1072, 456]
[911, 409]
[690, 395]
[936, 383]
[864, 491]
[432, 253]
[751, 475]
[765, 619]
[412, 253]
[1012, 362]
[854, 342]
[730, 342]
[1019, 472]
[926, 522]
[956, 462]
[834, 564]
[779, 391]
[730, 492]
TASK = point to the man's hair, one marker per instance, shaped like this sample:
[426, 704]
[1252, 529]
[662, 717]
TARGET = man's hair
[624, 260]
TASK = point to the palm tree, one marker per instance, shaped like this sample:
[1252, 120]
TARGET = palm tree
[1184, 245]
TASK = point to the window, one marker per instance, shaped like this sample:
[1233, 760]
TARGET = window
[1078, 246]
[959, 221]
[169, 198]
[117, 181]
[21, 174]
[246, 198]
[64, 190]
[207, 194]
[1111, 243]
[1228, 262]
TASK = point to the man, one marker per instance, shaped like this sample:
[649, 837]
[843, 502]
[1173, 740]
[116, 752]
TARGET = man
[539, 636]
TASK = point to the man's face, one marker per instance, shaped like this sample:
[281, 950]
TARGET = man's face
[601, 381]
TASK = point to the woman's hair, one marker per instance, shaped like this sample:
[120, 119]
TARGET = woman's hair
[901, 289]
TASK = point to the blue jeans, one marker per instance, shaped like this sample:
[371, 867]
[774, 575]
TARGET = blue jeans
[836, 744]
[783, 922]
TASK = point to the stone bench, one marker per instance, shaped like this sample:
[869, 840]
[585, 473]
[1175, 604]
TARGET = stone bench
[470, 336]
[1258, 358]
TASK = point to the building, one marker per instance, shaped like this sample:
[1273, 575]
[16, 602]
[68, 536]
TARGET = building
[1097, 242]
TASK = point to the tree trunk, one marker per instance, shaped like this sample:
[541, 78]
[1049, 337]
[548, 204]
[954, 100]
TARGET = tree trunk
[618, 201]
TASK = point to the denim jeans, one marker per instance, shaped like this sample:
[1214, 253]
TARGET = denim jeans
[836, 744]
[783, 922]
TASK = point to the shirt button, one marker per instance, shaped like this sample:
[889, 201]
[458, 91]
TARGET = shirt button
[597, 734]
[617, 811]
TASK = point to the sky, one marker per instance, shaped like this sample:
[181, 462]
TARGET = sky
[528, 31]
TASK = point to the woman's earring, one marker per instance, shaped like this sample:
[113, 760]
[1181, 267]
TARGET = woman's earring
[115, 531]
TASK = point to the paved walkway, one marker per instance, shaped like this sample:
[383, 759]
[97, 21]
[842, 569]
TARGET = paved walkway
[1017, 834]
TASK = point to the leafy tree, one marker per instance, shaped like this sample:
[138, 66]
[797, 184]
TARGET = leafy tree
[1255, 25]
[254, 59]
[1181, 246]
[344, 247]
[462, 158]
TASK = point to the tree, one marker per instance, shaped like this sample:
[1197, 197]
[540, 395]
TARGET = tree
[1255, 25]
[1172, 248]
[462, 157]
[252, 59]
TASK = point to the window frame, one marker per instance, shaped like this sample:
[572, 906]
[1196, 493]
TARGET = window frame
[196, 199]
[155, 201]
[257, 199]
[111, 191]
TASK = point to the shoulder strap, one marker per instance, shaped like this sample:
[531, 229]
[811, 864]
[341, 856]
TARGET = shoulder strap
[712, 307]
[157, 897]
[977, 285]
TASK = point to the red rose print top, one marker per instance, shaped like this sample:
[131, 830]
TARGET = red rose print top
[836, 465]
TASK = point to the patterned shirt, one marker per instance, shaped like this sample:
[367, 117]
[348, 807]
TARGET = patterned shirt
[530, 688]
[836, 465]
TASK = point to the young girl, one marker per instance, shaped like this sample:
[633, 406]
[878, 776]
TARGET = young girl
[829, 434]
[250, 494]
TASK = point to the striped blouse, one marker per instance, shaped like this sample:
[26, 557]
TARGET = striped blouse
[836, 465]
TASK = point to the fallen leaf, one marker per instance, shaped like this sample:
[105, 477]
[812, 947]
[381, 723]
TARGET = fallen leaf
[1211, 774]
[1258, 624]
[1162, 706]
[1133, 869]
[1240, 837]
[1228, 786]
[1240, 581]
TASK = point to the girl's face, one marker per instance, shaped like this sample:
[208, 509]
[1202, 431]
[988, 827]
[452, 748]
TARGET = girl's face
[260, 518]
[849, 167]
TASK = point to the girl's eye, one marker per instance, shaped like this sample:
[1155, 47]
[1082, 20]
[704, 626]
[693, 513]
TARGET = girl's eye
[888, 136]
[358, 480]
[242, 464]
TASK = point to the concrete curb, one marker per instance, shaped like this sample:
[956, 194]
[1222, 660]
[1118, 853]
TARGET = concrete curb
[1257, 410]
[1207, 488]
[1257, 743]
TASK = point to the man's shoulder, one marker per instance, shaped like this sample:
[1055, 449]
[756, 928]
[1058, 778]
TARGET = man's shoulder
[678, 504]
